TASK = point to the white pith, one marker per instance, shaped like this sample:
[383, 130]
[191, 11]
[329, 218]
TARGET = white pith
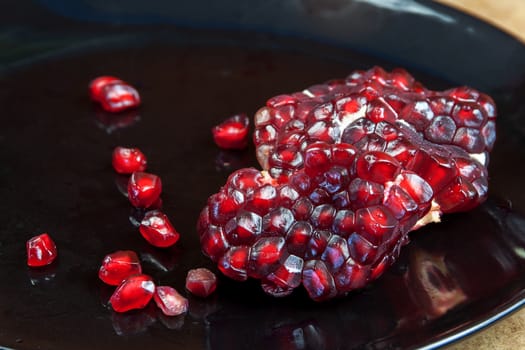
[433, 215]
[480, 157]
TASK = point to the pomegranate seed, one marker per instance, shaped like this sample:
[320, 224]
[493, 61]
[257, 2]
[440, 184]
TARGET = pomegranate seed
[135, 292]
[41, 250]
[232, 133]
[113, 94]
[170, 301]
[318, 281]
[201, 282]
[235, 262]
[158, 230]
[118, 266]
[144, 189]
[96, 86]
[128, 160]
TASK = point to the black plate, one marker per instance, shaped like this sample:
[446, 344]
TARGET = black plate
[196, 63]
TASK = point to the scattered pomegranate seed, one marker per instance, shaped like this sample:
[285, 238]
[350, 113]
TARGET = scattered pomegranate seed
[97, 84]
[41, 250]
[201, 282]
[135, 292]
[144, 189]
[232, 133]
[128, 160]
[158, 230]
[118, 266]
[170, 301]
[113, 94]
[351, 167]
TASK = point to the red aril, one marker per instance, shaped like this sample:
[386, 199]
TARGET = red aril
[113, 94]
[128, 160]
[118, 266]
[157, 229]
[201, 282]
[96, 85]
[41, 250]
[232, 133]
[170, 301]
[135, 292]
[144, 189]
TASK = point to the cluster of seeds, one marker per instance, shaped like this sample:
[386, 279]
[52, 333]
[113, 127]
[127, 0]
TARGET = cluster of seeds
[350, 168]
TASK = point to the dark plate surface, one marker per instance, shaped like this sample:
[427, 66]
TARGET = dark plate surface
[196, 64]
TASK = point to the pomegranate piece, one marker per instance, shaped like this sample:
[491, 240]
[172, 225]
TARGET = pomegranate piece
[135, 292]
[41, 250]
[113, 94]
[201, 282]
[157, 229]
[232, 133]
[128, 160]
[170, 301]
[350, 168]
[286, 241]
[379, 112]
[144, 189]
[118, 266]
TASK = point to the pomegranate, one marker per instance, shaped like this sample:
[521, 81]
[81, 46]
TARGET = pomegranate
[128, 160]
[232, 133]
[350, 168]
[41, 250]
[118, 266]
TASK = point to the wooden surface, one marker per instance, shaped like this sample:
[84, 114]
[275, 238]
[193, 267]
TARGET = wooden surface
[509, 15]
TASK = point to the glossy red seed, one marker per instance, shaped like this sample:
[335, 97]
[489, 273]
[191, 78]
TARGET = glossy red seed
[441, 130]
[41, 250]
[458, 195]
[336, 253]
[157, 229]
[244, 228]
[377, 167]
[436, 170]
[288, 275]
[364, 193]
[235, 262]
[117, 97]
[201, 282]
[144, 189]
[96, 85]
[128, 160]
[213, 242]
[298, 236]
[135, 292]
[118, 266]
[170, 301]
[376, 224]
[265, 253]
[318, 281]
[351, 276]
[317, 158]
[113, 94]
[232, 133]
